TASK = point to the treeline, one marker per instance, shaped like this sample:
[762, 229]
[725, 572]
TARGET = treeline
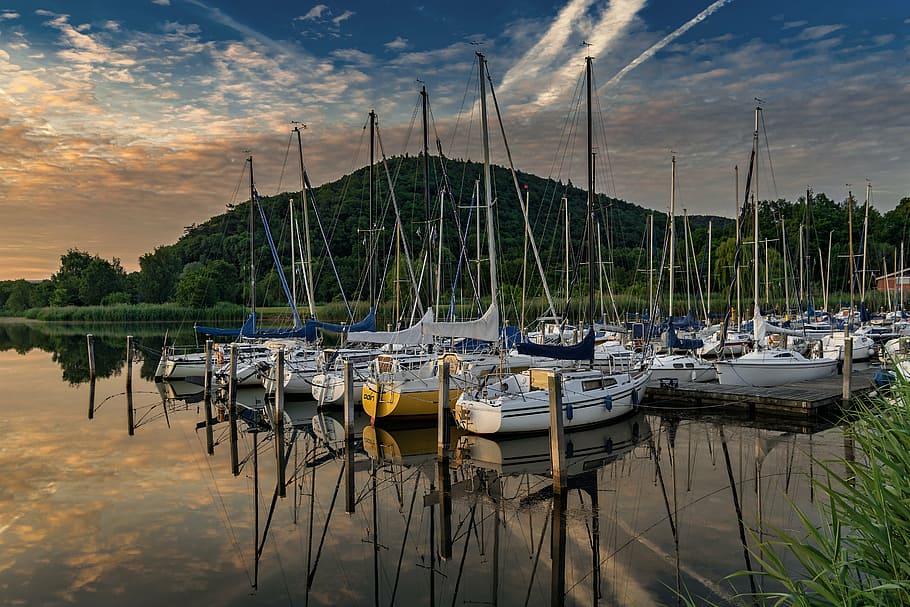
[210, 263]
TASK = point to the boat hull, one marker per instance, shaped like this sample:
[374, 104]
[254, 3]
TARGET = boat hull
[773, 368]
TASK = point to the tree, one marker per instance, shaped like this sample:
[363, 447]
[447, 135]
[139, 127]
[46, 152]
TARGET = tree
[68, 279]
[99, 279]
[158, 274]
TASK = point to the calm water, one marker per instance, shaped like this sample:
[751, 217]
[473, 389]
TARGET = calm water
[92, 515]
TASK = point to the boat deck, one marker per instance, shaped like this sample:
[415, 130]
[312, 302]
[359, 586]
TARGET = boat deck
[800, 398]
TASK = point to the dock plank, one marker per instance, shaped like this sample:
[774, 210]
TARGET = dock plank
[802, 398]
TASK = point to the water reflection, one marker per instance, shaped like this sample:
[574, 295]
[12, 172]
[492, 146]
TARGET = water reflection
[67, 343]
[658, 502]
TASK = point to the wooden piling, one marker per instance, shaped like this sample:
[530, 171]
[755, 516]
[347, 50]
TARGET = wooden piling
[207, 399]
[129, 363]
[444, 481]
[349, 498]
[279, 422]
[557, 434]
[443, 416]
[558, 529]
[90, 343]
[348, 377]
[91, 399]
[232, 412]
[848, 369]
[129, 385]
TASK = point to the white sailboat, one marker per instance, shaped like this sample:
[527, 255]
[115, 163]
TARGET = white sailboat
[520, 402]
[679, 365]
[767, 366]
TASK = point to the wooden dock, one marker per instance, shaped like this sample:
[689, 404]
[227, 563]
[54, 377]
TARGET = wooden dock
[801, 398]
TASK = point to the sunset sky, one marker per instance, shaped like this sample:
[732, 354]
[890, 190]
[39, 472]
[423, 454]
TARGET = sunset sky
[124, 122]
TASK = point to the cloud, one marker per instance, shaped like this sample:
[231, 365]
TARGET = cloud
[818, 31]
[9, 15]
[397, 44]
[342, 17]
[314, 14]
[162, 2]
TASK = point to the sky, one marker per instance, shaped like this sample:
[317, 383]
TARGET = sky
[121, 123]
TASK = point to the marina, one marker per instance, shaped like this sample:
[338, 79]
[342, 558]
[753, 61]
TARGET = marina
[169, 505]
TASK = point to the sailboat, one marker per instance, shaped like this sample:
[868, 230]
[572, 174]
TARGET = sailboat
[767, 366]
[407, 384]
[520, 402]
[678, 364]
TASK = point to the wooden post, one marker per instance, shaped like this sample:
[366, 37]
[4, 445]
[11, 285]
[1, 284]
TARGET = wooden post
[444, 481]
[232, 412]
[557, 434]
[129, 363]
[207, 399]
[848, 369]
[129, 384]
[349, 498]
[279, 421]
[443, 416]
[348, 376]
[558, 549]
[91, 399]
[90, 343]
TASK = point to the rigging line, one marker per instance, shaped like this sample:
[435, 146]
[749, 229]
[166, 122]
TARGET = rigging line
[220, 504]
[768, 149]
[531, 240]
[284, 165]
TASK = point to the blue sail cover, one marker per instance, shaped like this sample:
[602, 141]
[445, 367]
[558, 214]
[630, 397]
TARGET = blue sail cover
[583, 350]
[249, 331]
[674, 342]
[307, 332]
[367, 324]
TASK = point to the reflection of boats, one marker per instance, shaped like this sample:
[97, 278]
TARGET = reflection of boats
[177, 389]
[585, 449]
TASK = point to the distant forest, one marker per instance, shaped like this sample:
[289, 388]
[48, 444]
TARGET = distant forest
[210, 263]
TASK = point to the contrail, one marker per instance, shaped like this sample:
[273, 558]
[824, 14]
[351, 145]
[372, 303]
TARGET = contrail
[668, 39]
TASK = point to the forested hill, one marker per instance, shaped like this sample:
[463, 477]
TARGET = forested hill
[222, 243]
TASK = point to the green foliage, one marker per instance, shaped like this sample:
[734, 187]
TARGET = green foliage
[158, 275]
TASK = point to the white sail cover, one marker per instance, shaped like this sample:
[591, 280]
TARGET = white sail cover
[411, 336]
[485, 328]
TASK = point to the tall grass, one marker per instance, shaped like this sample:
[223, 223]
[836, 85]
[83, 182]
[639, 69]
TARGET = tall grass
[139, 313]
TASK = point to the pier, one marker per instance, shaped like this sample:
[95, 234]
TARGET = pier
[801, 398]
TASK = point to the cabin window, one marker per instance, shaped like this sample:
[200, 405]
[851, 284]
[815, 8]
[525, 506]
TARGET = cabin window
[677, 365]
[608, 381]
[784, 355]
[591, 384]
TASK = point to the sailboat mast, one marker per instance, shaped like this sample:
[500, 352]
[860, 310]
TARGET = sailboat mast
[426, 185]
[708, 280]
[672, 219]
[862, 285]
[370, 244]
[252, 243]
[852, 261]
[739, 302]
[590, 219]
[487, 187]
[756, 311]
[307, 262]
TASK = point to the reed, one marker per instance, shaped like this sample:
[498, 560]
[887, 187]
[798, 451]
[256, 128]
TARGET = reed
[139, 313]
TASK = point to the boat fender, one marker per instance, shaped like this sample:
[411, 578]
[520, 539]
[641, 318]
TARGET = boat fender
[569, 413]
[608, 446]
[634, 397]
[570, 449]
[608, 402]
